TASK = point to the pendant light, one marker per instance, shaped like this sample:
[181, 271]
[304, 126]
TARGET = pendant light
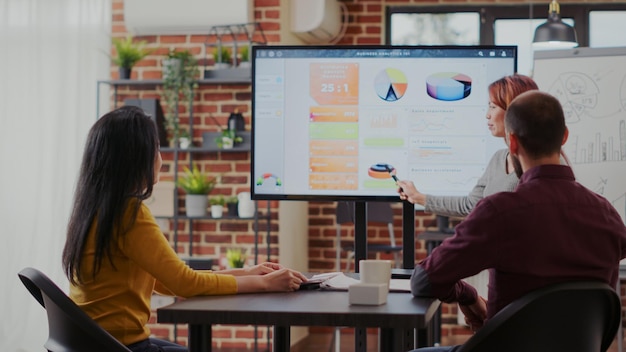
[554, 33]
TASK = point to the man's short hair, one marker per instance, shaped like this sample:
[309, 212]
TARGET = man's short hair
[537, 119]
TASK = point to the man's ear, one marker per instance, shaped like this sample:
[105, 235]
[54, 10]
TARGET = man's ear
[513, 144]
[565, 135]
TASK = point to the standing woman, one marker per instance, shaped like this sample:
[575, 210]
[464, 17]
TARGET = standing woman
[499, 176]
[115, 254]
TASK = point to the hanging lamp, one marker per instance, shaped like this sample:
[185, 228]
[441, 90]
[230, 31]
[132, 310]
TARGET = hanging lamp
[554, 33]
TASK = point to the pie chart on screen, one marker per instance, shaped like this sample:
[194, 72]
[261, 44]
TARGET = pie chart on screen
[448, 86]
[390, 84]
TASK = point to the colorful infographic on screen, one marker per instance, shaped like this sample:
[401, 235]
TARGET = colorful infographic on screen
[340, 122]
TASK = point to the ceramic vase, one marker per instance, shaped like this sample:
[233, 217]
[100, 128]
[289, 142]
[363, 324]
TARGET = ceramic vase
[245, 206]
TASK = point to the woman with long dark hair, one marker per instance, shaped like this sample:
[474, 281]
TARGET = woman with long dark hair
[115, 254]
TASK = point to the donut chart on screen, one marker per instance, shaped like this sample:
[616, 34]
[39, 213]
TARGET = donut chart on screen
[448, 86]
[390, 84]
[381, 171]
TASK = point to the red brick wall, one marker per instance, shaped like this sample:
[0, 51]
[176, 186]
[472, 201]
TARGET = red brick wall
[366, 26]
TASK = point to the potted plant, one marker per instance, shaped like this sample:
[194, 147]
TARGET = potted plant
[236, 257]
[244, 56]
[184, 139]
[221, 57]
[217, 205]
[180, 74]
[231, 205]
[128, 53]
[197, 185]
[228, 139]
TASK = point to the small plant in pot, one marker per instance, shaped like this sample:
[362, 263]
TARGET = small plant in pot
[232, 203]
[228, 139]
[244, 56]
[197, 185]
[128, 53]
[236, 257]
[180, 74]
[221, 57]
[217, 205]
[184, 139]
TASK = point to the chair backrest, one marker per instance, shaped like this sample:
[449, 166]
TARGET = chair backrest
[70, 329]
[574, 316]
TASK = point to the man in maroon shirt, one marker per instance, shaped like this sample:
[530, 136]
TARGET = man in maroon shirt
[550, 229]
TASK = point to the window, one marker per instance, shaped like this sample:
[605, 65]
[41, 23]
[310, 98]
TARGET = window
[607, 28]
[520, 32]
[460, 28]
[597, 25]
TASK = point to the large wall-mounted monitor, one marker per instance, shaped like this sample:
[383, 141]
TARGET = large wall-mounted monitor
[333, 122]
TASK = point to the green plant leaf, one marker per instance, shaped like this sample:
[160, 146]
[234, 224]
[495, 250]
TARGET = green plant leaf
[179, 86]
[129, 52]
[217, 200]
[225, 55]
[196, 182]
[236, 257]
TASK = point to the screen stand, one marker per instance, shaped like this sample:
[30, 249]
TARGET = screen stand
[360, 233]
[408, 235]
[360, 252]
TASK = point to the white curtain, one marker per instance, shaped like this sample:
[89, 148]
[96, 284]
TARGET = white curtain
[52, 52]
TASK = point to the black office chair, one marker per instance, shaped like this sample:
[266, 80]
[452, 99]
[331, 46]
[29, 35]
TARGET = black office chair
[377, 212]
[575, 317]
[70, 329]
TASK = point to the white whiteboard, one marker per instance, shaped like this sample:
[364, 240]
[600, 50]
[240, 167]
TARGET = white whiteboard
[590, 83]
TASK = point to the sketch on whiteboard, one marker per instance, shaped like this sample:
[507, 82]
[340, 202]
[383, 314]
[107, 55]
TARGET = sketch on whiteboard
[590, 83]
[588, 98]
[577, 93]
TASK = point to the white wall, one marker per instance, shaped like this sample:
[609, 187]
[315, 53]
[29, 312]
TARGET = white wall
[51, 54]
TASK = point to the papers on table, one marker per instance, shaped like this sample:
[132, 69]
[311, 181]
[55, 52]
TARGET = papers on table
[340, 281]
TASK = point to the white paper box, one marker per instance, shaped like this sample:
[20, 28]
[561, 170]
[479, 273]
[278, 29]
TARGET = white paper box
[368, 294]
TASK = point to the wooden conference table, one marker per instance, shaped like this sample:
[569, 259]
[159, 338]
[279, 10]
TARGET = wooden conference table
[397, 318]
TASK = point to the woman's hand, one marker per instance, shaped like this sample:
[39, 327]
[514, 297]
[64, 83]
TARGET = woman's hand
[262, 269]
[408, 192]
[284, 280]
[281, 280]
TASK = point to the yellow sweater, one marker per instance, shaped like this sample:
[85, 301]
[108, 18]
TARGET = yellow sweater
[119, 298]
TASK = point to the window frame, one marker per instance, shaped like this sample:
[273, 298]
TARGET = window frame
[490, 13]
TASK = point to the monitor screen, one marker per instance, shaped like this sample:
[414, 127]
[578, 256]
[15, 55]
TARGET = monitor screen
[336, 122]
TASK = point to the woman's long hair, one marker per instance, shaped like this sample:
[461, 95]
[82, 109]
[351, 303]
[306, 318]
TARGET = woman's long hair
[504, 90]
[118, 166]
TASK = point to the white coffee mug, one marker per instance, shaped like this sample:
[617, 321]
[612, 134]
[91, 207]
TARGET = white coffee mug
[375, 271]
